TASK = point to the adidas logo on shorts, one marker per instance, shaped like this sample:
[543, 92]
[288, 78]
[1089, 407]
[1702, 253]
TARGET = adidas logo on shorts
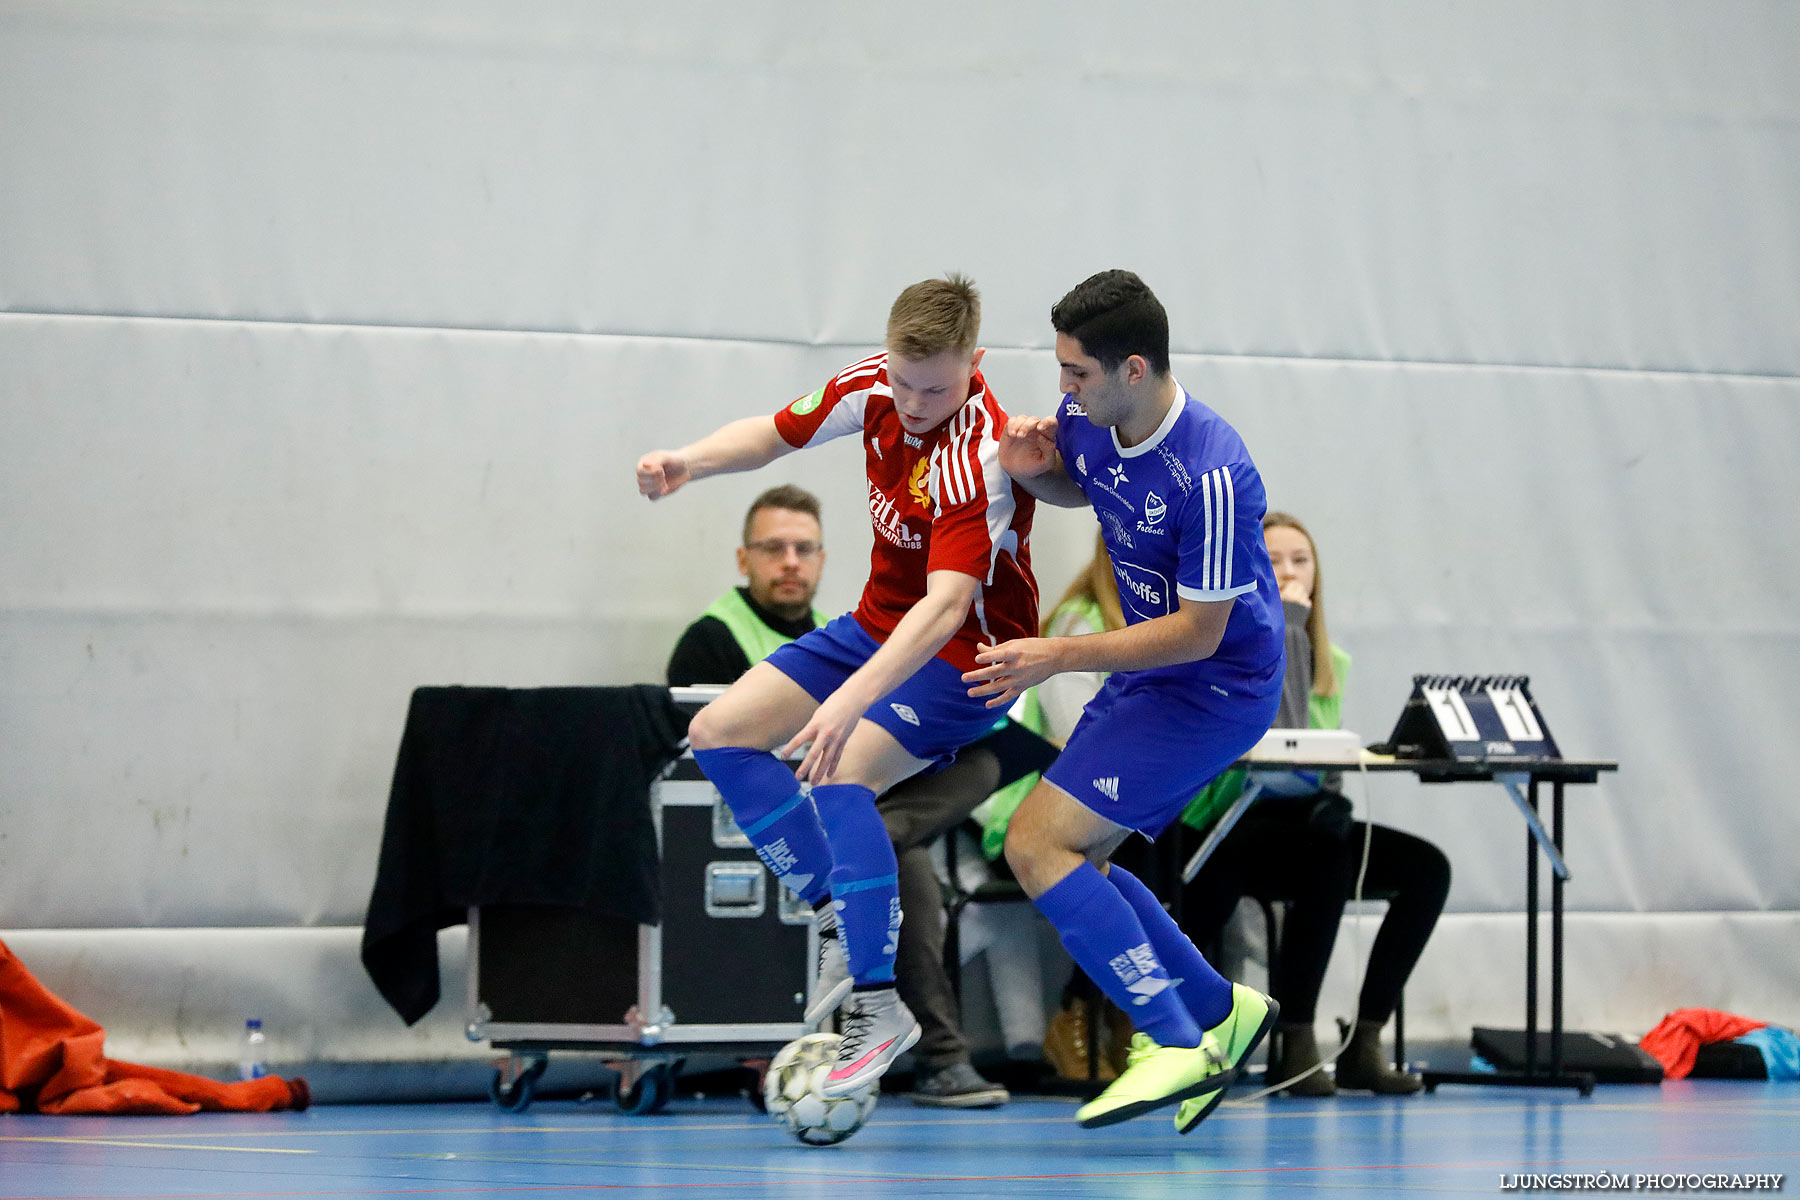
[905, 714]
[1108, 787]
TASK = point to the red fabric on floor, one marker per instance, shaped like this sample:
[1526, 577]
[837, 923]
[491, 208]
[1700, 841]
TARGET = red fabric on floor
[1679, 1036]
[52, 1060]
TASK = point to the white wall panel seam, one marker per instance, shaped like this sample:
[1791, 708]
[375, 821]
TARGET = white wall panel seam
[1177, 356]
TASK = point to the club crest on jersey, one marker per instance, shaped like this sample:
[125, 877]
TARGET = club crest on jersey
[1154, 511]
[916, 483]
[806, 404]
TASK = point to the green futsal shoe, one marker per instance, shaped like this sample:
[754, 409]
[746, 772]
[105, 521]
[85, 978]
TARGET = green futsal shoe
[1238, 1035]
[1155, 1076]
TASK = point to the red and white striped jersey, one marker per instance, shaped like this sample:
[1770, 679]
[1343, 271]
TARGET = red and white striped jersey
[938, 501]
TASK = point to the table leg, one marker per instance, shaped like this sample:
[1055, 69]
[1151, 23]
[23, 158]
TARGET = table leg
[1551, 844]
[1556, 937]
[1531, 938]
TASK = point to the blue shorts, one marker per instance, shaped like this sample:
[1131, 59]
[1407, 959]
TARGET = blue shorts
[930, 714]
[1143, 747]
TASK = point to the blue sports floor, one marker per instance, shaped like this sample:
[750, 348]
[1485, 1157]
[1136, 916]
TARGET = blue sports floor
[1461, 1140]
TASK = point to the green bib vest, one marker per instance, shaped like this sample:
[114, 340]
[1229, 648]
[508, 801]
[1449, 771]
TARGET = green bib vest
[754, 638]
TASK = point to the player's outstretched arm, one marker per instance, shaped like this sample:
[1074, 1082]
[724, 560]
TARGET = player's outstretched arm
[1190, 633]
[740, 446]
[919, 635]
[1028, 453]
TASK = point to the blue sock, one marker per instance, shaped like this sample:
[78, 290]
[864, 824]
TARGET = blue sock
[774, 814]
[1103, 935]
[1205, 993]
[865, 880]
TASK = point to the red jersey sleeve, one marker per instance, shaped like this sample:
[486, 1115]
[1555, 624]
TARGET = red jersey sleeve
[834, 410]
[973, 500]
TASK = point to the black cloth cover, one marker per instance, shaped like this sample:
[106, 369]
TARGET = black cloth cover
[514, 796]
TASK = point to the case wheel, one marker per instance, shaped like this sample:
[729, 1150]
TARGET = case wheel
[516, 1094]
[654, 1088]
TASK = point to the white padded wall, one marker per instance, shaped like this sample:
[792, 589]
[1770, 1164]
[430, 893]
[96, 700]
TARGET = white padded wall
[1461, 183]
[329, 332]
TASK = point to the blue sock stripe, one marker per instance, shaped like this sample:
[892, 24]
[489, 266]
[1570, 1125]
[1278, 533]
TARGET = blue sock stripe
[782, 810]
[863, 885]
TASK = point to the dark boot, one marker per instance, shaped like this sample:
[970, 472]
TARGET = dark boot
[1300, 1052]
[1363, 1065]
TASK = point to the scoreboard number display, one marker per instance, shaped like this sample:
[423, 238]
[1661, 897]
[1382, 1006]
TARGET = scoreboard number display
[1472, 718]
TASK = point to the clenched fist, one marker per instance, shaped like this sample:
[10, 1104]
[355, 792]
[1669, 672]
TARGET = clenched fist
[660, 472]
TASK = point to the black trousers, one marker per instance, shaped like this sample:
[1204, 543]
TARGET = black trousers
[916, 813]
[1292, 849]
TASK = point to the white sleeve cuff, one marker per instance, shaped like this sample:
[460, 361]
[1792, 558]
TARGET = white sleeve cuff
[1188, 593]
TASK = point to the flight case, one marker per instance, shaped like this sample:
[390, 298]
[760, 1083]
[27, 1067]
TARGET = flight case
[727, 972]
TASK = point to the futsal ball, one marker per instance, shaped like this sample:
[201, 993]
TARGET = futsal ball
[791, 1093]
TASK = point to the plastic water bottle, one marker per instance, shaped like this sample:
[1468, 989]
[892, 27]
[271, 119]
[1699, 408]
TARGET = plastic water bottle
[250, 1051]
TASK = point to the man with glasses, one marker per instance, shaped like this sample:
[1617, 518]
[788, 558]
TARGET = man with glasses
[781, 560]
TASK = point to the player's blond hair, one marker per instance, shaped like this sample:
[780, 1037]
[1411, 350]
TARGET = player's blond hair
[1325, 682]
[935, 315]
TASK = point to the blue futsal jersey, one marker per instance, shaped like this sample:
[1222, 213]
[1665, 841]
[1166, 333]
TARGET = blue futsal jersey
[1182, 514]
